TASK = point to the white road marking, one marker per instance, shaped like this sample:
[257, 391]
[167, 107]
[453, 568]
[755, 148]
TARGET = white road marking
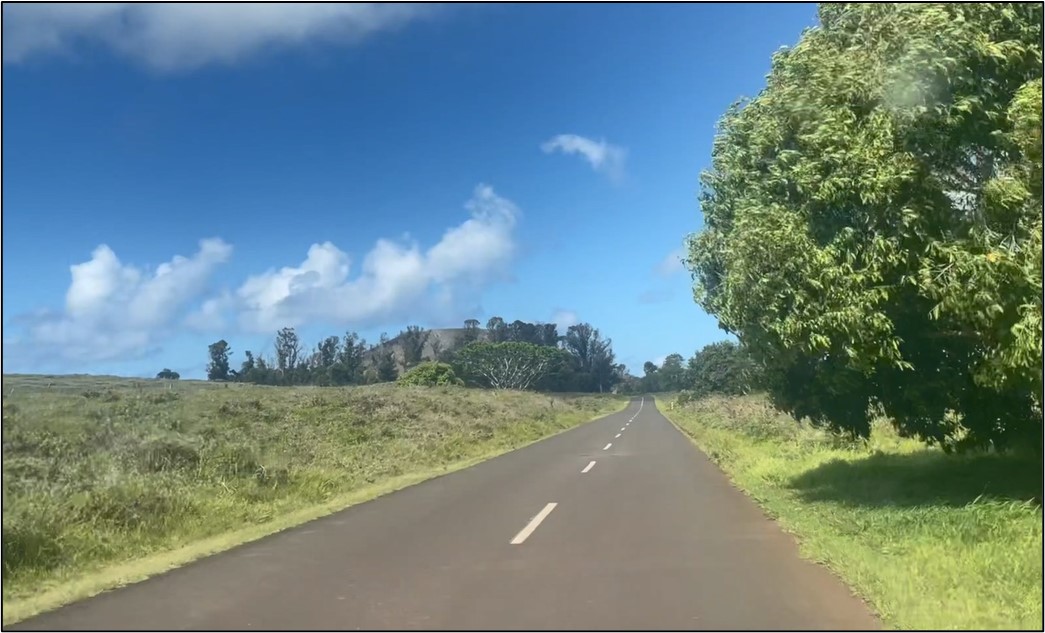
[534, 522]
[622, 428]
[607, 447]
[618, 435]
[590, 465]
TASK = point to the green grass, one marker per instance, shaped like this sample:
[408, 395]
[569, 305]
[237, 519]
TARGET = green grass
[107, 481]
[931, 541]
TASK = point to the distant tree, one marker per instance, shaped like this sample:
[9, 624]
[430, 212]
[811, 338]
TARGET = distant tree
[348, 364]
[505, 365]
[672, 375]
[167, 374]
[288, 350]
[248, 364]
[413, 341]
[327, 351]
[218, 368]
[496, 330]
[595, 361]
[430, 374]
[471, 332]
[383, 361]
[547, 334]
[724, 368]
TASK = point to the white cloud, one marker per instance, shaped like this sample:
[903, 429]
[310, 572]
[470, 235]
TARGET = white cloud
[602, 156]
[564, 319]
[170, 36]
[115, 310]
[396, 280]
[672, 263]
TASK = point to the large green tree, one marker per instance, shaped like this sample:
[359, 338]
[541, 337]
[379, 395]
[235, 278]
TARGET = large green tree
[509, 365]
[873, 221]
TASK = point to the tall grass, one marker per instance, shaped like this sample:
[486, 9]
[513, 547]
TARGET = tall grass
[932, 541]
[102, 471]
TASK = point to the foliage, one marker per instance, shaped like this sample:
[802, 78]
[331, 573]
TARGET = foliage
[431, 374]
[167, 374]
[413, 341]
[723, 368]
[593, 358]
[508, 365]
[218, 368]
[873, 222]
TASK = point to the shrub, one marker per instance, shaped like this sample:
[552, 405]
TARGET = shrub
[430, 374]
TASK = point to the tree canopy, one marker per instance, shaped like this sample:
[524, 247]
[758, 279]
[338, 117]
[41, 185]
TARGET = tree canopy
[873, 221]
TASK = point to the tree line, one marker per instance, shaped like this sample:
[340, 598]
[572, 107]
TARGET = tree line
[516, 355]
[723, 368]
[873, 222]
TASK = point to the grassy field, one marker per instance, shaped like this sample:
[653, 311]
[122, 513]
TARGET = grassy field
[932, 541]
[108, 480]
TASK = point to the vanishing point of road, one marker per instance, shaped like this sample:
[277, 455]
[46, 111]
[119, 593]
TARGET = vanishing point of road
[620, 523]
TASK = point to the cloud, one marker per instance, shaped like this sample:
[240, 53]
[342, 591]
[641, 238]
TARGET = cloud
[655, 296]
[672, 263]
[396, 280]
[602, 156]
[564, 319]
[176, 36]
[117, 311]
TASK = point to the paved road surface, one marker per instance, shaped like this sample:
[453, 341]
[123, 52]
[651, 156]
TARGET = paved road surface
[618, 524]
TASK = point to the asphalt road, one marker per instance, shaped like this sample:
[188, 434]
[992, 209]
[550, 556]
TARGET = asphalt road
[618, 524]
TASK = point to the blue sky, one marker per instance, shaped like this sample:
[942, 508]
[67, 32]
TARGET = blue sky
[174, 175]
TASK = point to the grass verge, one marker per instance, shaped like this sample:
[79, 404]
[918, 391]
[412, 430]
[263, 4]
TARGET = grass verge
[932, 541]
[106, 483]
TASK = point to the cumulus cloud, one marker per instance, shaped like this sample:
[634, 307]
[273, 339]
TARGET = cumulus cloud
[172, 36]
[602, 156]
[395, 280]
[672, 263]
[115, 310]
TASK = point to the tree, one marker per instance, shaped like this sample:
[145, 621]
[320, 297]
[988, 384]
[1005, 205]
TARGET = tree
[413, 341]
[218, 368]
[348, 364]
[593, 356]
[873, 222]
[430, 374]
[496, 330]
[327, 351]
[471, 332]
[724, 368]
[167, 374]
[672, 374]
[384, 361]
[507, 365]
[288, 350]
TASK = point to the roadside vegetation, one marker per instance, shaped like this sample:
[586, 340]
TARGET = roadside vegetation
[872, 238]
[102, 471]
[932, 541]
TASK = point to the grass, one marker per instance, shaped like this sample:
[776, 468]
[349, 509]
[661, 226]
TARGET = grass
[931, 541]
[107, 481]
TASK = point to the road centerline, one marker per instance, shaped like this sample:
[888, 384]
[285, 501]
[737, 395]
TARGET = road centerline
[532, 525]
[607, 447]
[590, 465]
[618, 435]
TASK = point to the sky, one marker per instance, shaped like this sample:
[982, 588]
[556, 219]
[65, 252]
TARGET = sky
[178, 174]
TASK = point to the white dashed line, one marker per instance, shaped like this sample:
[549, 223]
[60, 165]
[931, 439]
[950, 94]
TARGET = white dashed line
[618, 435]
[590, 465]
[607, 447]
[622, 428]
[532, 525]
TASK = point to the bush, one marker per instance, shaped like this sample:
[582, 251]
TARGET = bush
[430, 374]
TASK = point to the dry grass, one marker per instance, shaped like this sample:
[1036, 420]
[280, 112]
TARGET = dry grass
[102, 472]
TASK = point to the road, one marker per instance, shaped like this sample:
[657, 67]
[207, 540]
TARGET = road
[618, 524]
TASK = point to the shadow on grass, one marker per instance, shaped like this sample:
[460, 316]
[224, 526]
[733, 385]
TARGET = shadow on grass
[923, 478]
